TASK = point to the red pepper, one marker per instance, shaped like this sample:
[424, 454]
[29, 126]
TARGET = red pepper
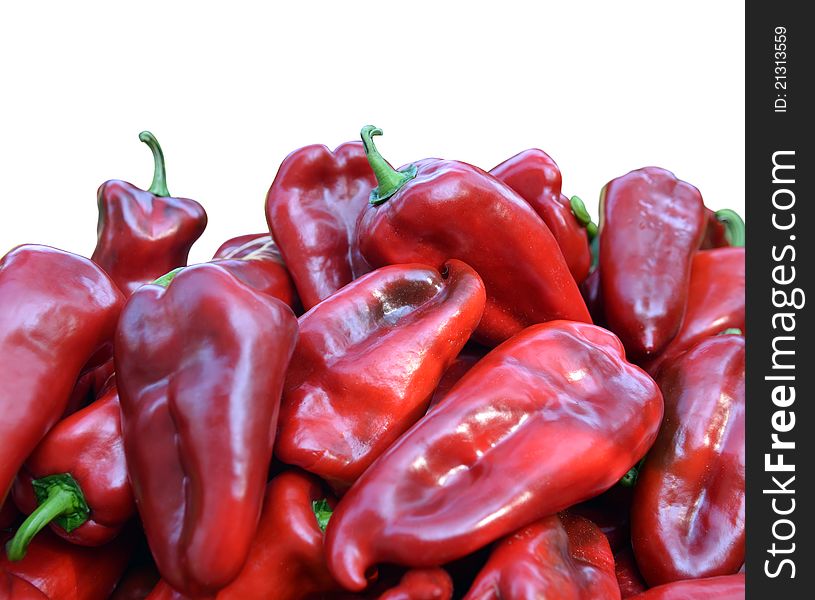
[58, 312]
[550, 418]
[418, 584]
[142, 235]
[367, 362]
[76, 480]
[62, 571]
[435, 210]
[560, 557]
[727, 587]
[312, 209]
[651, 224]
[628, 575]
[687, 517]
[257, 262]
[200, 360]
[465, 361]
[536, 178]
[715, 302]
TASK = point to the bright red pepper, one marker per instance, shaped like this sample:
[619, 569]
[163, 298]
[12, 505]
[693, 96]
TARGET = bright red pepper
[536, 178]
[142, 235]
[367, 362]
[628, 575]
[435, 210]
[62, 571]
[650, 226]
[200, 360]
[716, 299]
[687, 516]
[58, 312]
[77, 480]
[560, 557]
[727, 587]
[257, 262]
[312, 209]
[552, 417]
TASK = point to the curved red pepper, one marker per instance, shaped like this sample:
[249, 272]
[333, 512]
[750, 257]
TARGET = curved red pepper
[87, 449]
[560, 557]
[436, 210]
[550, 418]
[200, 366]
[536, 178]
[62, 571]
[465, 361]
[58, 312]
[651, 224]
[312, 209]
[367, 362]
[141, 235]
[257, 262]
[687, 517]
[727, 587]
[716, 302]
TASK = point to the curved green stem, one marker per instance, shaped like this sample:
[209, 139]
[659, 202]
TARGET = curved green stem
[631, 476]
[583, 217]
[389, 180]
[733, 225]
[159, 185]
[61, 500]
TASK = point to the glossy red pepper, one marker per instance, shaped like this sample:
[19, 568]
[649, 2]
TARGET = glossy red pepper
[76, 480]
[536, 178]
[727, 587]
[58, 312]
[560, 557]
[141, 235]
[200, 360]
[465, 361]
[687, 516]
[58, 570]
[550, 418]
[628, 575]
[716, 300]
[312, 209]
[257, 262]
[435, 210]
[650, 226]
[367, 362]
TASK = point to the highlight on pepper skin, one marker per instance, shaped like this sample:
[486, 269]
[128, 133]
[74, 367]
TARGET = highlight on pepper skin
[416, 383]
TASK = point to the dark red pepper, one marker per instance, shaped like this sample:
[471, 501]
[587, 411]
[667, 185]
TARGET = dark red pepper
[58, 312]
[367, 362]
[435, 210]
[550, 418]
[687, 516]
[628, 575]
[727, 587]
[141, 235]
[312, 209]
[76, 480]
[200, 360]
[560, 557]
[536, 178]
[650, 226]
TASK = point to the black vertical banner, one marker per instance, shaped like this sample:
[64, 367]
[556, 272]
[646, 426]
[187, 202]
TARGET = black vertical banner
[779, 209]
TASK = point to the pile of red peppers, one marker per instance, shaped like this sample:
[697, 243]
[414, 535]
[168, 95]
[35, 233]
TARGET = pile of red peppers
[422, 383]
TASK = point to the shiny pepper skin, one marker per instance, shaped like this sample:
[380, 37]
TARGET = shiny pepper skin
[560, 557]
[651, 223]
[727, 587]
[687, 515]
[312, 209]
[536, 178]
[367, 361]
[552, 417]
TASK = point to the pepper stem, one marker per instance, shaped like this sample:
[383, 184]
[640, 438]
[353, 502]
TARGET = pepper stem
[61, 500]
[322, 512]
[583, 217]
[159, 185]
[733, 226]
[389, 180]
[166, 279]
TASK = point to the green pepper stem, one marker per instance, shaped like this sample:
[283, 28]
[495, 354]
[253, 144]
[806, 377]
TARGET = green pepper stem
[583, 217]
[733, 226]
[389, 180]
[61, 501]
[159, 185]
[322, 512]
[166, 279]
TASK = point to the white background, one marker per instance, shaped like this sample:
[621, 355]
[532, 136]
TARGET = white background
[604, 87]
